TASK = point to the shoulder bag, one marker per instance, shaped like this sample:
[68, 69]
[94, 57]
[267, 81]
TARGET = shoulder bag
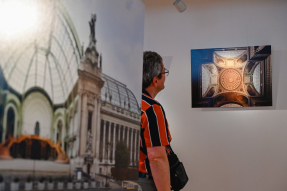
[178, 176]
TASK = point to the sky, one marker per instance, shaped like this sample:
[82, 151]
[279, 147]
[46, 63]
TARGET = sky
[119, 35]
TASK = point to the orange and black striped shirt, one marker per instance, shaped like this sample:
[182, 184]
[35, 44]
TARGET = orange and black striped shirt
[154, 130]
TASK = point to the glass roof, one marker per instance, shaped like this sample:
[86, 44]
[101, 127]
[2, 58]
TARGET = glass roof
[46, 55]
[256, 78]
[118, 94]
[230, 53]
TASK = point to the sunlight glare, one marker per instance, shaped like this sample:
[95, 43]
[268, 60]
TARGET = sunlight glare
[17, 18]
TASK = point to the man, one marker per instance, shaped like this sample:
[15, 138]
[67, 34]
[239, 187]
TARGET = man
[155, 135]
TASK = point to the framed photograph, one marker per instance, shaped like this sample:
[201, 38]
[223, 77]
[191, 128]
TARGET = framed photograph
[231, 77]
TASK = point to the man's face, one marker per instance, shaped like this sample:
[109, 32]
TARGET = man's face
[162, 80]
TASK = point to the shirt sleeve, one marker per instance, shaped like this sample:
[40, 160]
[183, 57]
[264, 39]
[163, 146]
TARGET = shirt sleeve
[155, 127]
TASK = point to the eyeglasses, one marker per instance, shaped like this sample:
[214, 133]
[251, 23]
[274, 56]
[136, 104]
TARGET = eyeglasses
[166, 72]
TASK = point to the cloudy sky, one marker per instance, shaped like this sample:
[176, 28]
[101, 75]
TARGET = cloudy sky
[119, 34]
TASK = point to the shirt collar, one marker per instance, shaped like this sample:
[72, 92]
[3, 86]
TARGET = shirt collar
[145, 92]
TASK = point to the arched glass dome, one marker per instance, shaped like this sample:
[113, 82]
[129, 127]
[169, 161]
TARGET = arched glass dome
[230, 53]
[45, 55]
[256, 78]
[118, 94]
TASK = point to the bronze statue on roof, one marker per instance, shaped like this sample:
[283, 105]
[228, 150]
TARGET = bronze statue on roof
[92, 27]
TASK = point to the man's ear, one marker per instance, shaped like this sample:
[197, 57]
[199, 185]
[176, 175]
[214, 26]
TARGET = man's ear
[154, 81]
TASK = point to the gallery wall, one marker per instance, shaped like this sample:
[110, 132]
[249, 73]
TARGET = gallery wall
[240, 149]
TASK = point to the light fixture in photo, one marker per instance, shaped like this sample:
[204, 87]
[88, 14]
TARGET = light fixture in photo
[180, 6]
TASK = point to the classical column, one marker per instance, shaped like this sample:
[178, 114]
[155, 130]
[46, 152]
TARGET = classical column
[131, 148]
[98, 128]
[114, 144]
[127, 136]
[104, 140]
[101, 132]
[109, 141]
[127, 130]
[119, 132]
[83, 128]
[120, 135]
[94, 126]
[123, 133]
[136, 146]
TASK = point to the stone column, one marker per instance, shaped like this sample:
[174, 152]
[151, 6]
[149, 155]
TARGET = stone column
[94, 126]
[104, 141]
[137, 148]
[114, 144]
[123, 133]
[98, 128]
[77, 127]
[83, 128]
[131, 147]
[63, 134]
[119, 132]
[109, 141]
[128, 136]
[120, 129]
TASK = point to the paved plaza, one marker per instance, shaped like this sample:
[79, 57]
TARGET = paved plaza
[113, 186]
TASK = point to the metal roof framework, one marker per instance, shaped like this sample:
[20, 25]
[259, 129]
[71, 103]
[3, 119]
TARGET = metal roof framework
[48, 60]
[117, 93]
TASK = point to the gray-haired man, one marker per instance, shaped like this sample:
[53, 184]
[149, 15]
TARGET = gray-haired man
[155, 135]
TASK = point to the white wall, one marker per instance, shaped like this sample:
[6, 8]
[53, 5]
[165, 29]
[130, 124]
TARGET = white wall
[223, 149]
[36, 108]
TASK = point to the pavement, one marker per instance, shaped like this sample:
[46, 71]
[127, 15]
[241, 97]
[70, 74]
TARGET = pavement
[113, 186]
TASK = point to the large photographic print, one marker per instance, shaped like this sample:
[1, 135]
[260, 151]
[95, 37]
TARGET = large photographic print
[70, 89]
[231, 77]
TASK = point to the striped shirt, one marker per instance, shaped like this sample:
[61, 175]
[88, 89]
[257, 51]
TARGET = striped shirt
[154, 130]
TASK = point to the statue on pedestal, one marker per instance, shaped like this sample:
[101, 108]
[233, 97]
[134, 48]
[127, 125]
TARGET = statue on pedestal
[92, 27]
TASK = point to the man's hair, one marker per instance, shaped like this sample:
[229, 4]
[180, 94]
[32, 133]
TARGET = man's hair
[151, 67]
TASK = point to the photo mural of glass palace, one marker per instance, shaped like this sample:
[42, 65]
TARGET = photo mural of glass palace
[61, 116]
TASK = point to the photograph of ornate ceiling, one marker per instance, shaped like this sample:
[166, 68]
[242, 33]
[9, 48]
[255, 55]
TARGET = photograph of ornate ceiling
[231, 77]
